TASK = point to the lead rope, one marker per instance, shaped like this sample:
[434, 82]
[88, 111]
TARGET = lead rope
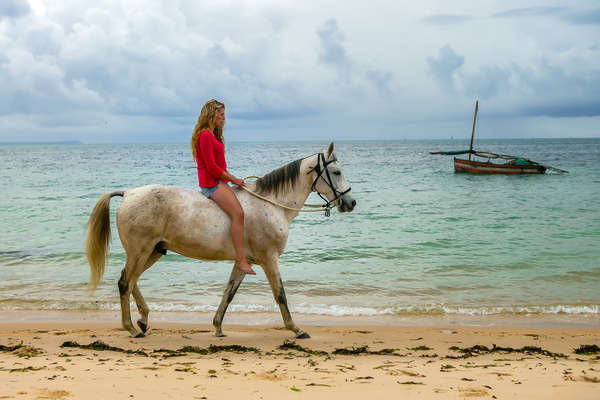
[320, 207]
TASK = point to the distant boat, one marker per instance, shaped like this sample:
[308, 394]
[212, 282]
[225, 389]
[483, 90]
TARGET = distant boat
[513, 165]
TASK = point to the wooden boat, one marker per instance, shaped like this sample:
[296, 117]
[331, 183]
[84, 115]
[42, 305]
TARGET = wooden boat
[479, 167]
[513, 165]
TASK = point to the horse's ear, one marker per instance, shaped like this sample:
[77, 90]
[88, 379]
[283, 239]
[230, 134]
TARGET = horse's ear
[330, 150]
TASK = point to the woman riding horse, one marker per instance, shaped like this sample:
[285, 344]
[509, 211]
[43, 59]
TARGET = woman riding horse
[155, 218]
[208, 148]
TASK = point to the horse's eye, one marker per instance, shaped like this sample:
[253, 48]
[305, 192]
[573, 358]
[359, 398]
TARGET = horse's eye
[337, 173]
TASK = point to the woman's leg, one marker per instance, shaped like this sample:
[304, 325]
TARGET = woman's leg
[226, 199]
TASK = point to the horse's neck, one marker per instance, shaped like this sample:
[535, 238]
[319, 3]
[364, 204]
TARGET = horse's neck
[297, 197]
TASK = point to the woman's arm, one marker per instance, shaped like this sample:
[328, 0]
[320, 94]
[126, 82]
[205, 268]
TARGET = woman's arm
[236, 181]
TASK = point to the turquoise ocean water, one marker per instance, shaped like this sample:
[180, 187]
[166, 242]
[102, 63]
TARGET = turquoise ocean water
[422, 240]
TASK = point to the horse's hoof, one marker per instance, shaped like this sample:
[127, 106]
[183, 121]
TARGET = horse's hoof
[220, 334]
[143, 326]
[140, 335]
[303, 335]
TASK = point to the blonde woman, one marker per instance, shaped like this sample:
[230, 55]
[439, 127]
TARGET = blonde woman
[208, 148]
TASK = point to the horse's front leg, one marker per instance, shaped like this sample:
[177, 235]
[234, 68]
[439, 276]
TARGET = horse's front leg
[235, 279]
[274, 277]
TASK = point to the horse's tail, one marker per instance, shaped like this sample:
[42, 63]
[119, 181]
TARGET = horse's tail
[98, 238]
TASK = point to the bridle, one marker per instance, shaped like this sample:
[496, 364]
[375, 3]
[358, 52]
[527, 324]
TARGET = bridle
[317, 168]
[316, 207]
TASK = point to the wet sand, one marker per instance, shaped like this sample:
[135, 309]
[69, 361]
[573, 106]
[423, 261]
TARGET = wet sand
[87, 359]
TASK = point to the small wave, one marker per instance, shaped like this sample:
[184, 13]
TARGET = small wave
[36, 257]
[524, 310]
[336, 310]
[315, 309]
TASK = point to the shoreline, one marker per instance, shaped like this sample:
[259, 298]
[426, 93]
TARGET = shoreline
[274, 318]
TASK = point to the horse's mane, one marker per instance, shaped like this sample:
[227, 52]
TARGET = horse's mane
[280, 179]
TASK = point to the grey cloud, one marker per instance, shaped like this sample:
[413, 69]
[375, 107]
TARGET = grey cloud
[446, 19]
[42, 41]
[277, 18]
[381, 79]
[544, 89]
[529, 12]
[587, 17]
[216, 52]
[14, 8]
[270, 113]
[332, 50]
[556, 93]
[564, 109]
[444, 66]
[488, 82]
[575, 17]
[353, 79]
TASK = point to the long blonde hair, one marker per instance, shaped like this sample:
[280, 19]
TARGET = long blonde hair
[206, 121]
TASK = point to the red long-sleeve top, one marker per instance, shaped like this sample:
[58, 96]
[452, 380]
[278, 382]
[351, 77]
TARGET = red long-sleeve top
[210, 157]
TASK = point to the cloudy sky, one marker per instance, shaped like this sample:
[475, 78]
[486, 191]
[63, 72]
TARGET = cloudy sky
[140, 70]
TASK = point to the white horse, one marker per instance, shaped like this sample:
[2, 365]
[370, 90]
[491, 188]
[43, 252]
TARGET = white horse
[153, 219]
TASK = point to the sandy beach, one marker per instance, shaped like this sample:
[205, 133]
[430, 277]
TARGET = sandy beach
[98, 360]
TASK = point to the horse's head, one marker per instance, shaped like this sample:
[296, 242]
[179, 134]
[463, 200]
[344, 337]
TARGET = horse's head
[330, 181]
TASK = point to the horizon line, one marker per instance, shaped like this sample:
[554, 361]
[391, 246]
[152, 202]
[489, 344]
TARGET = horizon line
[79, 142]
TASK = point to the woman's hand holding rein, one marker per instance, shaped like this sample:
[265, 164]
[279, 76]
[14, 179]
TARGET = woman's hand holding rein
[233, 179]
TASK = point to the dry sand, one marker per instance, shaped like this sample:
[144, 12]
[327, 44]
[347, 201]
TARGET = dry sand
[418, 362]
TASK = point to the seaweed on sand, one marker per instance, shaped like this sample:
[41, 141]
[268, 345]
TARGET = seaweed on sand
[26, 369]
[587, 349]
[365, 350]
[352, 351]
[211, 349]
[22, 350]
[479, 349]
[420, 348]
[235, 348]
[292, 345]
[11, 348]
[101, 346]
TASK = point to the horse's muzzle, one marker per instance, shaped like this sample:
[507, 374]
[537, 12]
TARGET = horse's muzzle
[347, 204]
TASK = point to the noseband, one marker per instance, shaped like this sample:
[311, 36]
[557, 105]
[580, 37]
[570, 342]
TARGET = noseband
[317, 168]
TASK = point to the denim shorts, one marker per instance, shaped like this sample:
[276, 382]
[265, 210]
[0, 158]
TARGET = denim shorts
[208, 191]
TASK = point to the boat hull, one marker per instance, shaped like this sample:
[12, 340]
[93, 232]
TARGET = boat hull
[478, 167]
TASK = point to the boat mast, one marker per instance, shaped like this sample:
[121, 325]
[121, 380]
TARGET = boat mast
[473, 132]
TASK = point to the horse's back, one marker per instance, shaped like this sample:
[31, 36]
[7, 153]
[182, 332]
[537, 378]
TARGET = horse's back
[148, 208]
[184, 220]
[190, 224]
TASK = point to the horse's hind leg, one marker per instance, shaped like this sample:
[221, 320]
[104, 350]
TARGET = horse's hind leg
[125, 291]
[274, 277]
[142, 308]
[129, 276]
[235, 279]
[139, 299]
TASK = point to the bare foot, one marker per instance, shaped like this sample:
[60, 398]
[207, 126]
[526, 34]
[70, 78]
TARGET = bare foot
[245, 267]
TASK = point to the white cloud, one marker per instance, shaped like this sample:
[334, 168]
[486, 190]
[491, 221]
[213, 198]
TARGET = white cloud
[70, 69]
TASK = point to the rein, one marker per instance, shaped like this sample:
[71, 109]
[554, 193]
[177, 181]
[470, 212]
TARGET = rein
[325, 207]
